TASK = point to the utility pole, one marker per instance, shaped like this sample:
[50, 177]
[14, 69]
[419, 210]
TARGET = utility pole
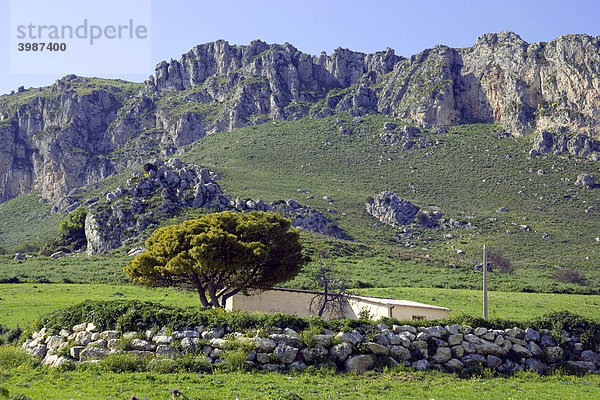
[485, 305]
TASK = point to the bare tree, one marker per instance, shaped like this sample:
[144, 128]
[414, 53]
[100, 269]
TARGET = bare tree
[332, 300]
[498, 261]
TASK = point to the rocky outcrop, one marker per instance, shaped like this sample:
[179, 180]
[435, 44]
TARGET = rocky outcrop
[54, 143]
[577, 145]
[501, 78]
[586, 180]
[393, 210]
[79, 131]
[452, 348]
[162, 190]
[172, 186]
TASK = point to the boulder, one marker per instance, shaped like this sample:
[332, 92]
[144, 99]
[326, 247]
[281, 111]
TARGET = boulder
[314, 354]
[341, 352]
[421, 365]
[166, 351]
[264, 345]
[586, 180]
[442, 355]
[400, 353]
[286, 354]
[359, 364]
[324, 340]
[532, 335]
[377, 349]
[353, 337]
[582, 365]
[536, 365]
[493, 362]
[93, 353]
[454, 365]
[287, 339]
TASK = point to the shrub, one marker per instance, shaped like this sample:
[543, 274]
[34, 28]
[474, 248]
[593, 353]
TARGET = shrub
[13, 357]
[123, 363]
[308, 335]
[588, 330]
[498, 261]
[569, 275]
[10, 335]
[234, 360]
[191, 363]
[162, 366]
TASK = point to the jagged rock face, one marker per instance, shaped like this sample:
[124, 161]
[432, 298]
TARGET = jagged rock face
[533, 86]
[501, 79]
[52, 144]
[303, 217]
[64, 138]
[577, 145]
[392, 210]
[170, 187]
[130, 210]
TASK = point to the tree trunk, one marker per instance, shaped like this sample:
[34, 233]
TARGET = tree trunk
[201, 291]
[325, 299]
[212, 293]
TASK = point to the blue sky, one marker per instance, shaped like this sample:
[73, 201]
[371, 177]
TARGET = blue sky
[407, 26]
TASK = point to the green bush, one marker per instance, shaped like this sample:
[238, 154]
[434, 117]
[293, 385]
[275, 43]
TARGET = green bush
[162, 366]
[10, 335]
[234, 360]
[569, 275]
[123, 363]
[13, 357]
[192, 363]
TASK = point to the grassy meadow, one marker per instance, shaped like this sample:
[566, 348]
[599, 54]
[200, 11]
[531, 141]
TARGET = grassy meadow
[309, 385]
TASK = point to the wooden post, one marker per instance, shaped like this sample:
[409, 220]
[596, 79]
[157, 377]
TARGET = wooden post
[485, 302]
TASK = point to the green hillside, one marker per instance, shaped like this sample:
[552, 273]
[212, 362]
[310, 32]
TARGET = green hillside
[467, 173]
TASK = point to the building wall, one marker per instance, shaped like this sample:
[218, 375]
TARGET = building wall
[298, 302]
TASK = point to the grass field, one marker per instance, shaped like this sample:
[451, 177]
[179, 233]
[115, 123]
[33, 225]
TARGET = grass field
[43, 384]
[21, 303]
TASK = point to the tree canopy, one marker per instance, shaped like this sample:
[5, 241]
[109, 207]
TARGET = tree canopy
[220, 254]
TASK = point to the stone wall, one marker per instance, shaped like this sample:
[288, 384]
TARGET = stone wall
[446, 348]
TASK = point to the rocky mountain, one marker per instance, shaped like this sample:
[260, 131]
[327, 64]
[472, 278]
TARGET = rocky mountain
[80, 130]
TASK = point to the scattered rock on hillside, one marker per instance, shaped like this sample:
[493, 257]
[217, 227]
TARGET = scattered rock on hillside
[395, 211]
[406, 137]
[586, 180]
[302, 217]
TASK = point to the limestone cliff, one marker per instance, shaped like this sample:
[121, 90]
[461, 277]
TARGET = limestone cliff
[80, 130]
